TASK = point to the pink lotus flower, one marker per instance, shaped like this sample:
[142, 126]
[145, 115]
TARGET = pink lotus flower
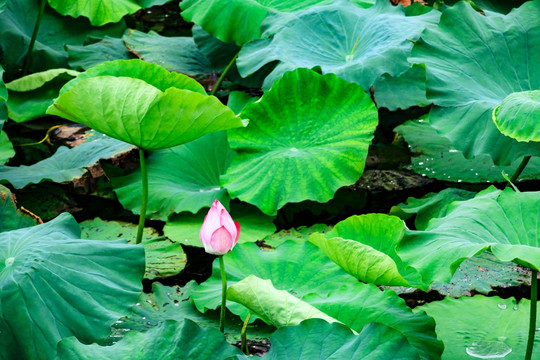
[219, 233]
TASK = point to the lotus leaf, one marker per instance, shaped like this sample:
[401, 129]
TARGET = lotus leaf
[473, 62]
[240, 21]
[436, 157]
[358, 45]
[86, 56]
[321, 340]
[483, 274]
[430, 206]
[486, 327]
[164, 258]
[3, 98]
[17, 24]
[167, 340]
[66, 164]
[54, 285]
[6, 148]
[297, 146]
[181, 178]
[370, 249]
[504, 222]
[12, 218]
[31, 95]
[303, 270]
[361, 261]
[178, 54]
[357, 305]
[273, 306]
[152, 74]
[134, 111]
[518, 116]
[172, 303]
[98, 12]
[300, 268]
[402, 91]
[299, 234]
[185, 228]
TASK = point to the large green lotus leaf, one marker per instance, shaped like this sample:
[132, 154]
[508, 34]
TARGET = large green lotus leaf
[181, 178]
[66, 164]
[99, 12]
[31, 95]
[168, 340]
[358, 45]
[299, 268]
[432, 205]
[134, 111]
[483, 327]
[240, 21]
[86, 56]
[16, 27]
[500, 6]
[152, 74]
[473, 62]
[357, 304]
[185, 228]
[376, 235]
[172, 303]
[164, 258]
[504, 222]
[435, 156]
[179, 54]
[298, 146]
[6, 148]
[54, 285]
[317, 339]
[275, 307]
[11, 218]
[517, 116]
[361, 261]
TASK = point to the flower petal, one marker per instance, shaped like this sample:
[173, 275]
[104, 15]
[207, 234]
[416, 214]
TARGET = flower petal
[227, 221]
[237, 231]
[220, 243]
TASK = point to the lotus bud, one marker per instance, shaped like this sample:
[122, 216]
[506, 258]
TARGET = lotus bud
[219, 233]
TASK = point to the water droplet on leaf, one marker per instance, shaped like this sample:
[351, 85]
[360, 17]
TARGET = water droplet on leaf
[488, 349]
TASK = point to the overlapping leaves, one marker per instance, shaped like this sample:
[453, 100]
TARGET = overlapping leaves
[473, 62]
[358, 45]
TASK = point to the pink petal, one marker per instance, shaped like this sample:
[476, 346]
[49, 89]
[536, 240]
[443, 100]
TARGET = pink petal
[220, 243]
[211, 223]
[237, 231]
[227, 221]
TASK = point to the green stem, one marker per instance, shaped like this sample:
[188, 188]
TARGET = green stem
[532, 319]
[243, 337]
[223, 294]
[144, 202]
[223, 74]
[520, 169]
[33, 39]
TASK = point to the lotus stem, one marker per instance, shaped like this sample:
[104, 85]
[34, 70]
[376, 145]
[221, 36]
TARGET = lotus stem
[520, 169]
[144, 202]
[243, 337]
[532, 318]
[28, 57]
[223, 74]
[223, 294]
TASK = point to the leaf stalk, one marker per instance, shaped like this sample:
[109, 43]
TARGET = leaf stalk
[223, 294]
[532, 318]
[223, 74]
[144, 201]
[28, 57]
